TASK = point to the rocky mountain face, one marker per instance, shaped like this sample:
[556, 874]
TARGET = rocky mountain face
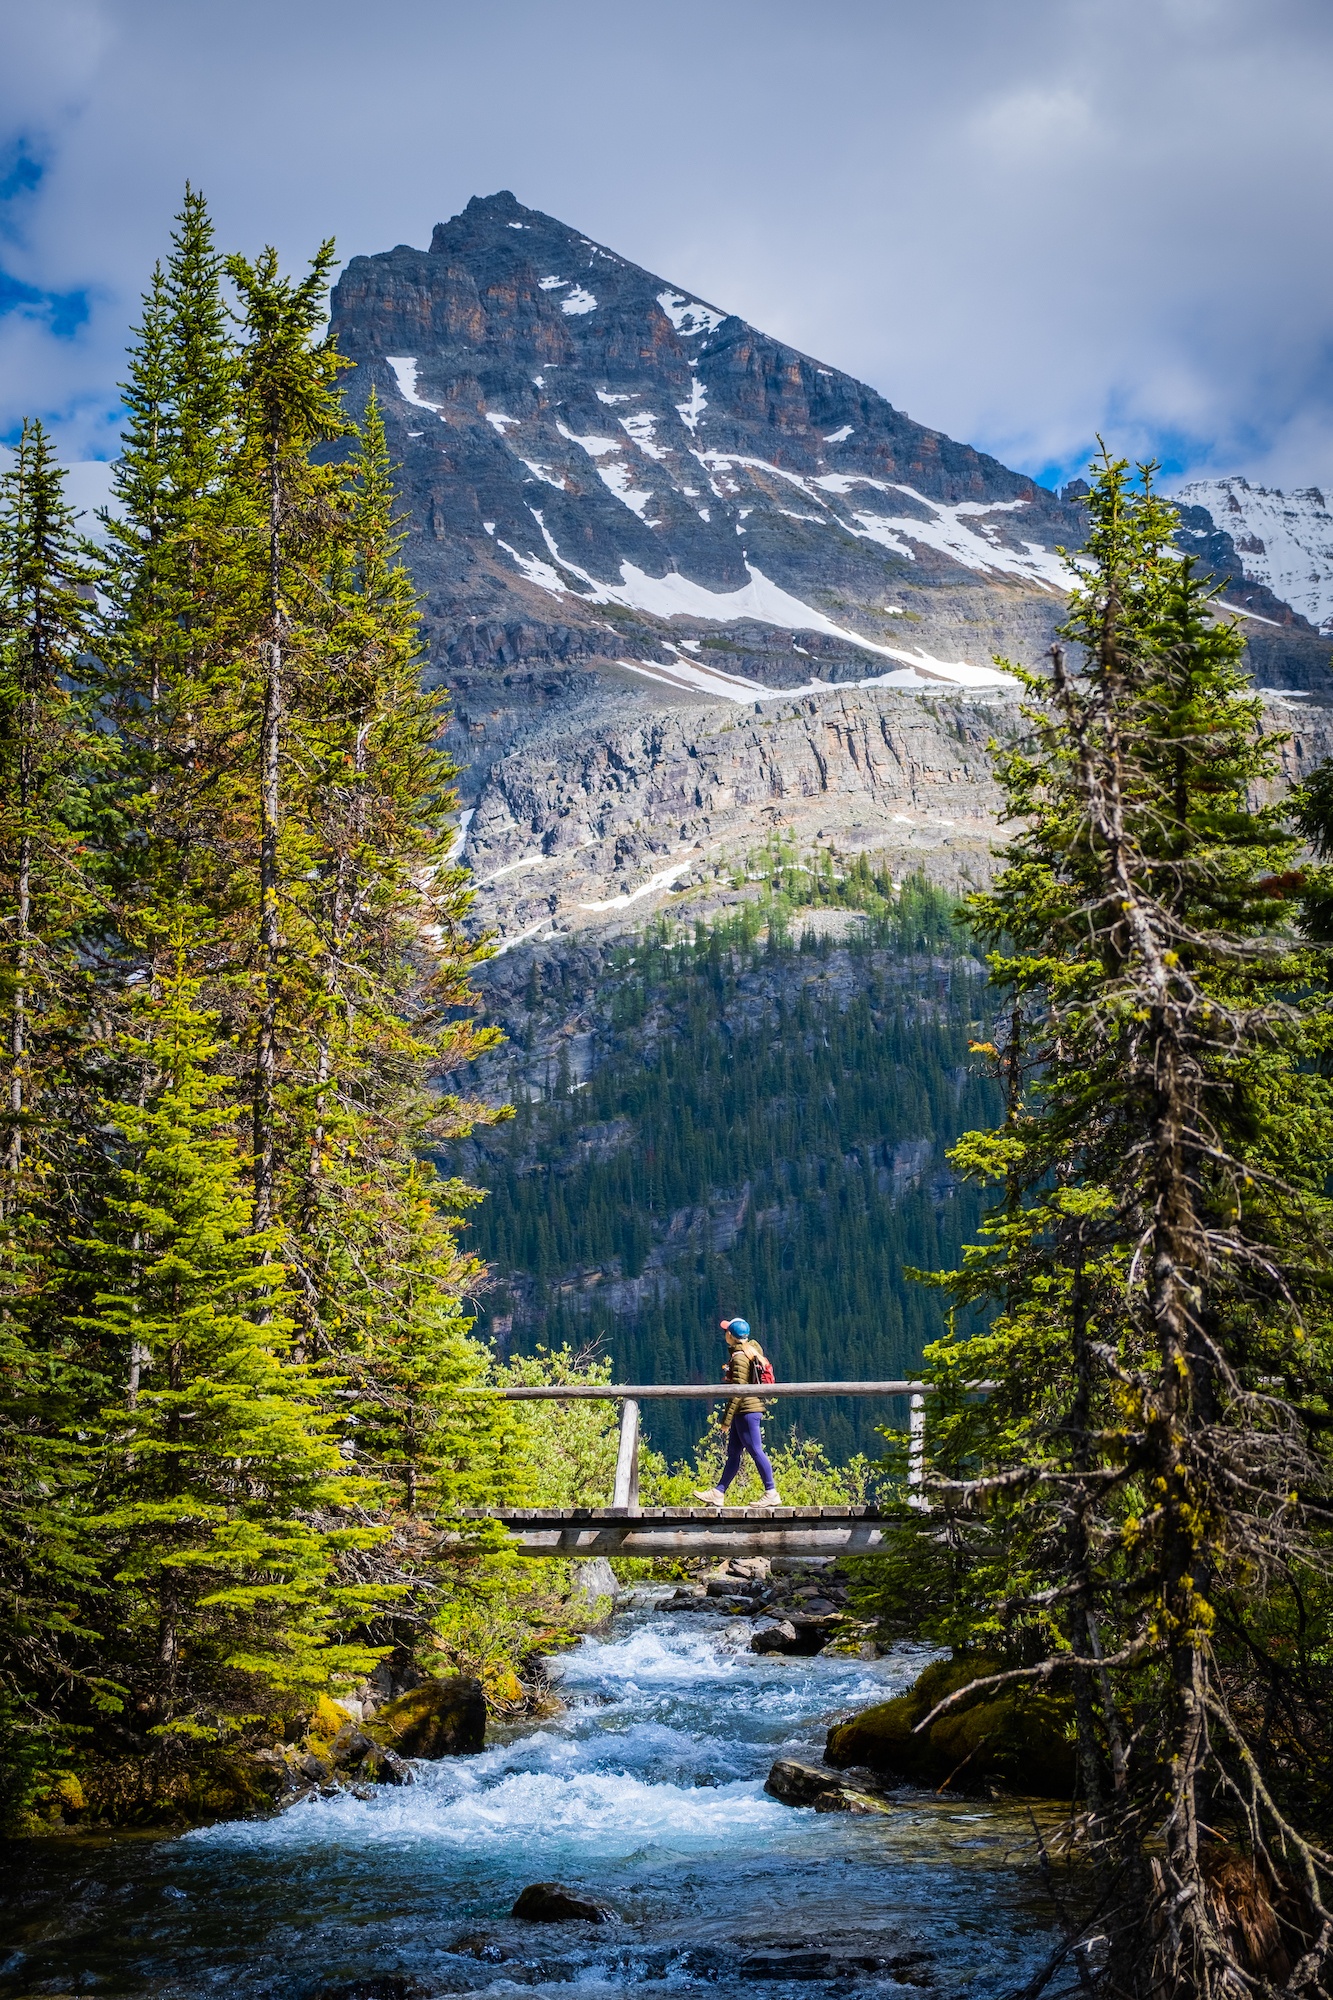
[684, 582]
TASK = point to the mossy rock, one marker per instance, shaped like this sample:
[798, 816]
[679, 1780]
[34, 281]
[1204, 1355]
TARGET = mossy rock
[1019, 1737]
[444, 1718]
[177, 1787]
[327, 1718]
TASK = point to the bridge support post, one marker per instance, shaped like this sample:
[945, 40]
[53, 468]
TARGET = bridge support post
[916, 1452]
[627, 1458]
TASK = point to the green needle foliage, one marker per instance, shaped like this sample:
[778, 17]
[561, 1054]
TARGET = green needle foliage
[50, 893]
[234, 1433]
[1138, 1510]
[48, 753]
[216, 1469]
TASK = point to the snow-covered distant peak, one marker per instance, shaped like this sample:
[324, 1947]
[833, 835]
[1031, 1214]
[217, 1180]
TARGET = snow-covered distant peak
[1284, 540]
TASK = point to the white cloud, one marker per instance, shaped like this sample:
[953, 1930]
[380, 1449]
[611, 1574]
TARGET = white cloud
[1106, 216]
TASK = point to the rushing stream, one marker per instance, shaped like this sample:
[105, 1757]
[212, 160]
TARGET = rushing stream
[647, 1792]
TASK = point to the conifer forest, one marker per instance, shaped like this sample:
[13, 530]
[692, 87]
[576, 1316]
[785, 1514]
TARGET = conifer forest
[269, 1181]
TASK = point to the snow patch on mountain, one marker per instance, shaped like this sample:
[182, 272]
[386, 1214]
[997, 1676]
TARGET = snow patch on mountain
[1284, 540]
[545, 473]
[687, 315]
[404, 368]
[921, 673]
[690, 412]
[674, 595]
[620, 481]
[596, 447]
[640, 427]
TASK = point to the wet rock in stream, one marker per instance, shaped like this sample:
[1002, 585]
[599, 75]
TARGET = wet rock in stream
[799, 1636]
[795, 1784]
[550, 1903]
[387, 1986]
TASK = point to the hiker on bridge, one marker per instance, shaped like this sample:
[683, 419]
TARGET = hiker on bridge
[745, 1363]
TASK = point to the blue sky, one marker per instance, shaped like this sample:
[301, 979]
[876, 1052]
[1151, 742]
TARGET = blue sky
[1025, 221]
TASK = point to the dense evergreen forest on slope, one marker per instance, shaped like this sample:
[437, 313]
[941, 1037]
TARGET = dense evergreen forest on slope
[762, 1132]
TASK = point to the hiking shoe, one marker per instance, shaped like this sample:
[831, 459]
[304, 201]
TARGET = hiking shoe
[714, 1497]
[772, 1498]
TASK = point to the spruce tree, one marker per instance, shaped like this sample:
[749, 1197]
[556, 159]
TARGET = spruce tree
[224, 1497]
[289, 407]
[50, 758]
[179, 602]
[374, 1228]
[1136, 1508]
[48, 753]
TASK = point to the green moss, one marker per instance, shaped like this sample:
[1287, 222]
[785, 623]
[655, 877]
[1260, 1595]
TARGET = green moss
[441, 1718]
[1017, 1736]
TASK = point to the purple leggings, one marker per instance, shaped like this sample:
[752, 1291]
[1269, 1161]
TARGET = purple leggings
[744, 1436]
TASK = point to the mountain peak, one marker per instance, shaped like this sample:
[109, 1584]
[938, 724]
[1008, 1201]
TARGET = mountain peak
[510, 229]
[621, 493]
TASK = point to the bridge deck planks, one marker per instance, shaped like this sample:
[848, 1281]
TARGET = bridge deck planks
[660, 1531]
[680, 1514]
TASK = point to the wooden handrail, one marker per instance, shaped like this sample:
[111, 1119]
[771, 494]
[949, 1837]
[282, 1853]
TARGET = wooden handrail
[629, 1396]
[607, 1392]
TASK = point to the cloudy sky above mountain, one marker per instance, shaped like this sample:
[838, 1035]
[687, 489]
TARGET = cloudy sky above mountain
[1025, 221]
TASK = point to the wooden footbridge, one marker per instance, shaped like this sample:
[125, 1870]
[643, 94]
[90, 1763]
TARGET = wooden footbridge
[627, 1529]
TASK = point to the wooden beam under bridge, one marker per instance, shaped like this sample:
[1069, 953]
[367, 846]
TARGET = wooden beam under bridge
[695, 1531]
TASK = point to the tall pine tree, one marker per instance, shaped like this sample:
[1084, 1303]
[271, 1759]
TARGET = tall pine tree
[181, 603]
[224, 1495]
[50, 891]
[1136, 1509]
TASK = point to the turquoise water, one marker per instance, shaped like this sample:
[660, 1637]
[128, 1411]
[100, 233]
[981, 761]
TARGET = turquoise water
[647, 1792]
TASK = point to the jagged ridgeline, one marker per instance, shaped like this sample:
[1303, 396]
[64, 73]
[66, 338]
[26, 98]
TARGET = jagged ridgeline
[748, 1117]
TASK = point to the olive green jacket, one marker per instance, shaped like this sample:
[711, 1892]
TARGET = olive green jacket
[743, 1366]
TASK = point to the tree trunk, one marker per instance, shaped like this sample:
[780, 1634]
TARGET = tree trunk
[18, 1032]
[270, 803]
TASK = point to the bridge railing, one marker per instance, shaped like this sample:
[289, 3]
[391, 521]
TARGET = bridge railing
[630, 1396]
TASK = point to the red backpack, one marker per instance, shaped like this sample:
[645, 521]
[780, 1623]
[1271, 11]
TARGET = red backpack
[761, 1370]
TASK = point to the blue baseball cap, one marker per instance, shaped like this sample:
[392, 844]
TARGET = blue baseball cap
[740, 1327]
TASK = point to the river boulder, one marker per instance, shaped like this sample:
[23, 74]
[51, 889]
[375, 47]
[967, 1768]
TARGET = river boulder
[593, 1586]
[441, 1718]
[796, 1784]
[778, 1638]
[1017, 1736]
[797, 1635]
[842, 1799]
[549, 1903]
